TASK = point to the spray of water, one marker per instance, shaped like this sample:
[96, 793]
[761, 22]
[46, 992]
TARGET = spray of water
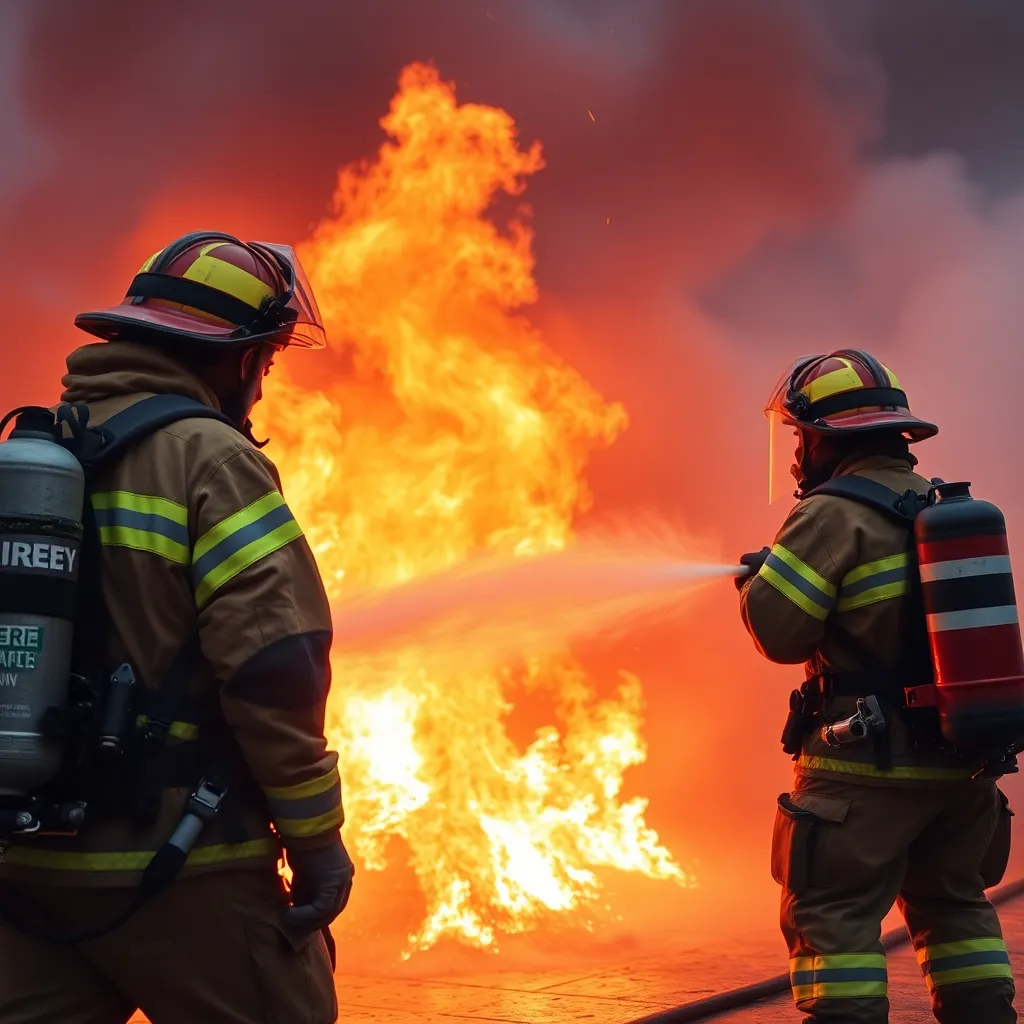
[607, 583]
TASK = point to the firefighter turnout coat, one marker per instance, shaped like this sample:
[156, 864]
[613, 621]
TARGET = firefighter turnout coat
[197, 539]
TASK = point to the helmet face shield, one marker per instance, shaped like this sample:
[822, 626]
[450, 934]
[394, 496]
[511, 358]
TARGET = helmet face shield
[307, 327]
[782, 433]
[784, 385]
[783, 439]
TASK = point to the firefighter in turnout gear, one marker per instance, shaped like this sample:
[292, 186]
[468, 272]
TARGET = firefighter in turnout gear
[210, 594]
[881, 811]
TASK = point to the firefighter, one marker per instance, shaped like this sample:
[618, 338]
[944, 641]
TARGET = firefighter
[880, 812]
[198, 545]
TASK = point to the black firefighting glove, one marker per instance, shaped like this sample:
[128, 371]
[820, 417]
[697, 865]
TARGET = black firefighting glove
[755, 559]
[321, 885]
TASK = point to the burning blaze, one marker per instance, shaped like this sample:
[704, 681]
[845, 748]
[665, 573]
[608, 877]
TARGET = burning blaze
[450, 430]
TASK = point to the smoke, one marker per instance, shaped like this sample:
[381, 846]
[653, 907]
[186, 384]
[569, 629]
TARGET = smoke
[727, 185]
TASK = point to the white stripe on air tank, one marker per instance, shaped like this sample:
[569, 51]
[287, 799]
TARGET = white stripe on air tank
[972, 618]
[958, 568]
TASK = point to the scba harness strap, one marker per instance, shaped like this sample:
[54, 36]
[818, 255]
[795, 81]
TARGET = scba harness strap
[130, 780]
[888, 684]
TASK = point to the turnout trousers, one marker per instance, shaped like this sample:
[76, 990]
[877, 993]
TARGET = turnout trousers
[844, 852]
[207, 950]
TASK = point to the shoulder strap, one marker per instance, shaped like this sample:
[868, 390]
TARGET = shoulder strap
[105, 444]
[901, 507]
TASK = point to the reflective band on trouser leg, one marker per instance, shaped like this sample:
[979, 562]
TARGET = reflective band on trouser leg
[838, 976]
[948, 963]
[240, 541]
[798, 582]
[876, 581]
[308, 808]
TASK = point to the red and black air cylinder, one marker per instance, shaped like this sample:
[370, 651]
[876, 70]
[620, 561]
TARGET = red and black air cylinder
[973, 628]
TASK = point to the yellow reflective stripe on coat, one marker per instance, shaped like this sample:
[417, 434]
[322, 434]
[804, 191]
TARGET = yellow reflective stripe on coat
[240, 541]
[798, 582]
[143, 522]
[307, 808]
[867, 770]
[838, 976]
[876, 581]
[133, 860]
[947, 963]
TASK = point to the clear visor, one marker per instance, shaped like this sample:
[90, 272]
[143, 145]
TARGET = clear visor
[783, 384]
[307, 331]
[782, 435]
[782, 443]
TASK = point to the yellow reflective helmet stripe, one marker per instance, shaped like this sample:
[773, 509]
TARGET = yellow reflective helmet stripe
[867, 770]
[228, 278]
[798, 582]
[838, 976]
[133, 860]
[143, 522]
[152, 259]
[834, 382]
[239, 541]
[980, 959]
[837, 381]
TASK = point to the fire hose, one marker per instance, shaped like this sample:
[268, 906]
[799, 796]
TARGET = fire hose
[747, 995]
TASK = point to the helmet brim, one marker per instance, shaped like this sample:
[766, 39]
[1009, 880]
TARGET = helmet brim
[160, 324]
[896, 420]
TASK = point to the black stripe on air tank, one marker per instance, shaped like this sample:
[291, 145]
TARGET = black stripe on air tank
[47, 525]
[960, 532]
[22, 594]
[958, 595]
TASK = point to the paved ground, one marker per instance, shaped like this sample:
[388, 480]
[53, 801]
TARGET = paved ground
[616, 993]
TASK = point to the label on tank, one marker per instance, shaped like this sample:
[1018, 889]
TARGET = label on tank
[19, 651]
[33, 555]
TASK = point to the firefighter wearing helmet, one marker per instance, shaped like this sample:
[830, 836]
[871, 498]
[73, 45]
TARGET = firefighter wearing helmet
[160, 890]
[884, 809]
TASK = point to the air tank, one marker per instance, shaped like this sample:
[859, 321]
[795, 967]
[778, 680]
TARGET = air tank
[42, 489]
[973, 627]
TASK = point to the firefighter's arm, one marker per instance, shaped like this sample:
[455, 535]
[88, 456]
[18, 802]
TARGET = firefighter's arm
[265, 626]
[784, 606]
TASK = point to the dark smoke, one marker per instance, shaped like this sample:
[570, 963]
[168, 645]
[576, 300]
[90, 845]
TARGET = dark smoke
[757, 179]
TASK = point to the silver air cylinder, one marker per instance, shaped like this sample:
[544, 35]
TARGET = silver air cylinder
[42, 490]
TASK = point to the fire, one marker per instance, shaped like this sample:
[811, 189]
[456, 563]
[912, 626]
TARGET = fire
[453, 430]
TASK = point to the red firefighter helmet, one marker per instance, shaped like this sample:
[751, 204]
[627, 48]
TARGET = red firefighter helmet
[209, 288]
[845, 392]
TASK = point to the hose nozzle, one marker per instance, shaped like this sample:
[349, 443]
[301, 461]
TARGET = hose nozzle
[868, 718]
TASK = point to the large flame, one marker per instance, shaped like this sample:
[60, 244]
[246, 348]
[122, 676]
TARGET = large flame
[454, 430]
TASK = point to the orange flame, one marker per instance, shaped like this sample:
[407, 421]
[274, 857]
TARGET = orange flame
[455, 431]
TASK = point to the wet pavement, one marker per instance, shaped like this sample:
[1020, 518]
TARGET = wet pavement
[618, 993]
